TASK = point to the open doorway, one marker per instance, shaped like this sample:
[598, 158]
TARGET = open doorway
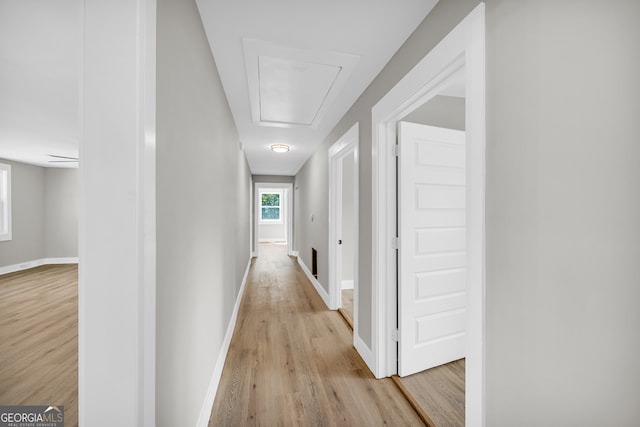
[273, 220]
[461, 52]
[343, 226]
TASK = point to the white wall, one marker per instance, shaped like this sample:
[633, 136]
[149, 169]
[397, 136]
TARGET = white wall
[116, 227]
[203, 206]
[563, 213]
[272, 232]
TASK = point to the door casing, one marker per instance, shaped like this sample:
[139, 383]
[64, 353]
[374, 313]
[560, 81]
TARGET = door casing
[346, 145]
[462, 48]
[288, 207]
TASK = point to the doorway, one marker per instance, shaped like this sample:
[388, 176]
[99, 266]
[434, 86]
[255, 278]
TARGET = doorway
[343, 229]
[273, 219]
[461, 51]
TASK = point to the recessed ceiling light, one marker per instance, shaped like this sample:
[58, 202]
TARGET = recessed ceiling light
[280, 148]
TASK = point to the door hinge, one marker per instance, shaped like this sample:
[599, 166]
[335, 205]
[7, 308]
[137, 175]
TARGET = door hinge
[395, 242]
[395, 150]
[395, 335]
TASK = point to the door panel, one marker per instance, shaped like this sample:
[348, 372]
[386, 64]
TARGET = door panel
[431, 266]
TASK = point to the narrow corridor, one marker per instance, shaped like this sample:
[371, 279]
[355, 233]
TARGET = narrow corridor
[291, 360]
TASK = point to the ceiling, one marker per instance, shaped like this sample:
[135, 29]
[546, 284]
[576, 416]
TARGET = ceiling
[39, 80]
[325, 52]
[290, 69]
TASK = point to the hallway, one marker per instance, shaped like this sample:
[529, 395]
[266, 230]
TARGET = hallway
[291, 361]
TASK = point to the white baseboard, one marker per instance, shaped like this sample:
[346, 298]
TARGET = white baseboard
[323, 294]
[272, 241]
[365, 352]
[67, 260]
[347, 284]
[207, 405]
[37, 263]
[294, 253]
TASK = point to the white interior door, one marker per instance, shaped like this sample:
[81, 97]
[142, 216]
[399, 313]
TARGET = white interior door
[431, 261]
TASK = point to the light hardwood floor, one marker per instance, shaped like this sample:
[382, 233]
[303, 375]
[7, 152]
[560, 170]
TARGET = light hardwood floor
[439, 393]
[291, 360]
[39, 338]
[347, 306]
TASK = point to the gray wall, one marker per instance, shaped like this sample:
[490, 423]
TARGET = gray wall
[563, 213]
[562, 206]
[440, 111]
[44, 214]
[61, 219]
[313, 180]
[202, 244]
[273, 178]
[28, 215]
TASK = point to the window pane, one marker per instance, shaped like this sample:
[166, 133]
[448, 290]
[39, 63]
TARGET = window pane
[271, 213]
[270, 199]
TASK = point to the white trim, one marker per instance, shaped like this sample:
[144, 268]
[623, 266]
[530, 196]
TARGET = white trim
[347, 144]
[271, 241]
[323, 294]
[65, 260]
[280, 193]
[7, 235]
[346, 284]
[147, 204]
[364, 351]
[207, 405]
[463, 46]
[37, 263]
[288, 212]
[118, 83]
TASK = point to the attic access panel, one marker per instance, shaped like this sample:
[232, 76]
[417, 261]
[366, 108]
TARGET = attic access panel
[291, 87]
[293, 91]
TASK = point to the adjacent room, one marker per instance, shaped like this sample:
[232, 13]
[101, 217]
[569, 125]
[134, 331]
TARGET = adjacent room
[364, 212]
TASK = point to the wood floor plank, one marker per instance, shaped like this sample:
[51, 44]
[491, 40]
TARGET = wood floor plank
[347, 307]
[39, 338]
[291, 360]
[439, 392]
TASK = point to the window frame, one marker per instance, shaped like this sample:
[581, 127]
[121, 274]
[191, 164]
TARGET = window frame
[280, 220]
[5, 203]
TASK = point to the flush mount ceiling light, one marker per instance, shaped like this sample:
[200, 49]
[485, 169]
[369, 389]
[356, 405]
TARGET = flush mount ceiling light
[280, 148]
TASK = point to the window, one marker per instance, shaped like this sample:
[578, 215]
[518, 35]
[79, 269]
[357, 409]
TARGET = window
[271, 206]
[5, 202]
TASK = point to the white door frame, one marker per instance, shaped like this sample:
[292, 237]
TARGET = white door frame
[464, 48]
[288, 207]
[117, 352]
[346, 145]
